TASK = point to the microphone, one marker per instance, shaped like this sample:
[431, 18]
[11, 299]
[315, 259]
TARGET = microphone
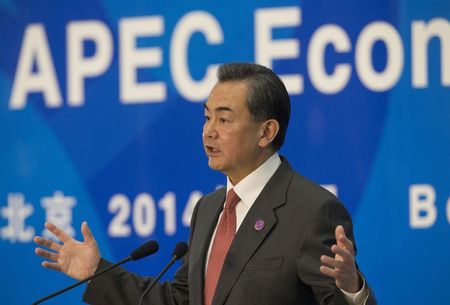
[144, 250]
[180, 250]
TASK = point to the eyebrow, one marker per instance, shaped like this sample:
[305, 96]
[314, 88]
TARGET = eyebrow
[218, 109]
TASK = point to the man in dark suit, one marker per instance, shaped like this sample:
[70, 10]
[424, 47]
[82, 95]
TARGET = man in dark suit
[269, 237]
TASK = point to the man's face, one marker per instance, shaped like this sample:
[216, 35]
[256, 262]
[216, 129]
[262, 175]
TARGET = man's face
[230, 134]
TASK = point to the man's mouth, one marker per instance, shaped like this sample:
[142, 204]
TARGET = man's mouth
[211, 149]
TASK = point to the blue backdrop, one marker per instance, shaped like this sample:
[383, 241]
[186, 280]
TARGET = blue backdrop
[101, 118]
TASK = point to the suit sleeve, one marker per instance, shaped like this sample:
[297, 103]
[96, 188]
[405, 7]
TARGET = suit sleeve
[317, 240]
[120, 287]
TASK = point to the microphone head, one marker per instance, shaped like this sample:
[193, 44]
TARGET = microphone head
[180, 250]
[144, 250]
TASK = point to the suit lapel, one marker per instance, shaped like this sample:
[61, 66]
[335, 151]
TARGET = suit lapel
[248, 239]
[207, 218]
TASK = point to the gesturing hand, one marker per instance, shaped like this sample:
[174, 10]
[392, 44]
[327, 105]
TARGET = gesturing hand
[342, 266]
[74, 258]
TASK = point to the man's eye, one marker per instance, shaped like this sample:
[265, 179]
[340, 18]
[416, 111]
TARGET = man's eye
[223, 120]
[206, 118]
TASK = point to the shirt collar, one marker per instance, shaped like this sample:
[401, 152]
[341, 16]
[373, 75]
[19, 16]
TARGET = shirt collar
[249, 188]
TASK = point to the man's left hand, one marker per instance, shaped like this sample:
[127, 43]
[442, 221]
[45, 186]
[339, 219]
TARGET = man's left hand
[342, 267]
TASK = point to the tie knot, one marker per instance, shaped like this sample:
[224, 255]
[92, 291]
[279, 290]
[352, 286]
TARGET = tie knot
[232, 200]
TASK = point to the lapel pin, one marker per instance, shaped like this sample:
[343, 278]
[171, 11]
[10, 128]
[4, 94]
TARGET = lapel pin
[259, 225]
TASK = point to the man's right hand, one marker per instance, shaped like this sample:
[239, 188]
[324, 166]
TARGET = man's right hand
[74, 258]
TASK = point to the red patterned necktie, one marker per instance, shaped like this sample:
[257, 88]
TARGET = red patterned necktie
[222, 241]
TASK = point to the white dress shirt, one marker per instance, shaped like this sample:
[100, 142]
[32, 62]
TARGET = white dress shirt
[248, 189]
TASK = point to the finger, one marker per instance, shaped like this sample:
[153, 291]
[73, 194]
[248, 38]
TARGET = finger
[46, 254]
[87, 233]
[329, 271]
[342, 239]
[47, 243]
[331, 262]
[347, 243]
[60, 234]
[344, 253]
[53, 266]
[339, 232]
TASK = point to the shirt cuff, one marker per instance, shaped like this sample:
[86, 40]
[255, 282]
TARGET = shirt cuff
[357, 298]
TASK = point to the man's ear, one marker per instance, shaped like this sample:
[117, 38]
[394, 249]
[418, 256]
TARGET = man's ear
[268, 131]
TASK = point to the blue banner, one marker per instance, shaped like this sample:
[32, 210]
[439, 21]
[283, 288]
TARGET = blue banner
[101, 115]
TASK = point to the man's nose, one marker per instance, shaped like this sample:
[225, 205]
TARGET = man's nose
[209, 130]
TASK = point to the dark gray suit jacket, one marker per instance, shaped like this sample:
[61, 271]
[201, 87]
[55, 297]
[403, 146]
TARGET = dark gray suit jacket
[278, 265]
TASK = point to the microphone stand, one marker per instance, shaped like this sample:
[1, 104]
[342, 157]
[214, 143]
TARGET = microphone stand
[82, 281]
[172, 261]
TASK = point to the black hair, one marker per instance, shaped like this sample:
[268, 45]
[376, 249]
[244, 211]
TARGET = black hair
[267, 96]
